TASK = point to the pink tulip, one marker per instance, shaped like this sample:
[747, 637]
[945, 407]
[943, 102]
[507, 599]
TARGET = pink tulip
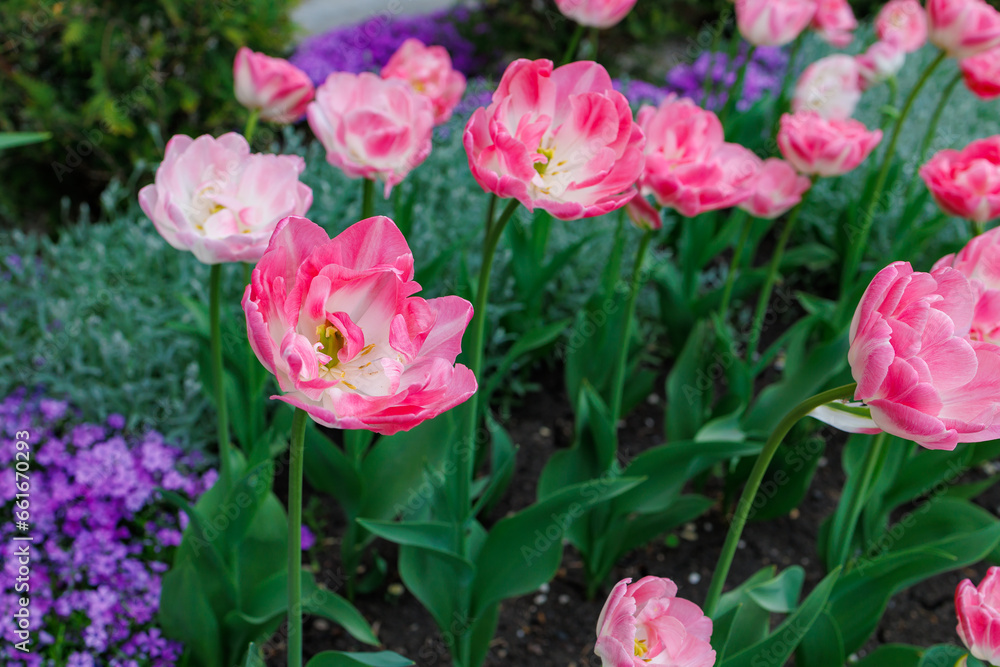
[645, 623]
[879, 63]
[273, 86]
[335, 321]
[562, 140]
[834, 22]
[596, 13]
[982, 74]
[212, 197]
[978, 611]
[903, 23]
[979, 261]
[773, 22]
[428, 70]
[830, 87]
[963, 28]
[966, 183]
[643, 215]
[688, 165]
[778, 189]
[916, 368]
[823, 147]
[371, 127]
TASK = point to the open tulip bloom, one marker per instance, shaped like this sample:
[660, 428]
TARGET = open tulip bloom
[212, 197]
[966, 183]
[978, 610]
[336, 323]
[561, 139]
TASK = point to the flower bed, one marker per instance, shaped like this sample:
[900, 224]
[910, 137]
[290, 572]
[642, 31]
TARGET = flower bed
[100, 539]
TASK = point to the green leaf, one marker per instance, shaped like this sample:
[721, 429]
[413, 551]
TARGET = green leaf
[778, 646]
[534, 339]
[268, 604]
[781, 594]
[329, 470]
[503, 455]
[395, 471]
[689, 387]
[896, 655]
[823, 646]
[523, 551]
[939, 536]
[186, 615]
[592, 453]
[436, 536]
[945, 654]
[14, 139]
[344, 659]
[244, 500]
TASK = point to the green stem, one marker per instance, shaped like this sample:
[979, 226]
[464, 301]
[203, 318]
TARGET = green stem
[618, 381]
[781, 105]
[856, 247]
[874, 462]
[977, 227]
[251, 127]
[594, 39]
[931, 133]
[475, 348]
[574, 45]
[367, 198]
[771, 279]
[737, 91]
[893, 85]
[734, 264]
[349, 555]
[214, 310]
[295, 539]
[745, 504]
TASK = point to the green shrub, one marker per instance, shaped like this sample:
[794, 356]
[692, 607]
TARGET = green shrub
[111, 80]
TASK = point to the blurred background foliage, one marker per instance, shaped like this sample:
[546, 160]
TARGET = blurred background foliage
[110, 80]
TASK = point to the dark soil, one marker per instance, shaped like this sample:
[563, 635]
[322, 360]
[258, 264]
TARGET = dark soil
[555, 626]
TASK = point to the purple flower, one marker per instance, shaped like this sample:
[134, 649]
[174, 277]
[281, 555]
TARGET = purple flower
[368, 46]
[713, 74]
[308, 539]
[97, 534]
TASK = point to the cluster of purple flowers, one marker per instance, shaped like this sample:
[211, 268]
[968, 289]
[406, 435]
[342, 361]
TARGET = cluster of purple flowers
[368, 46]
[711, 76]
[715, 73]
[100, 539]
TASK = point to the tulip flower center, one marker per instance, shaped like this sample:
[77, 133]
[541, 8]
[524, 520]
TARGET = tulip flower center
[540, 167]
[332, 341]
[640, 648]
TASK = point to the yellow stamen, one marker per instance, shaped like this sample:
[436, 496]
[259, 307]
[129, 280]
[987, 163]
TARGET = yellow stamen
[540, 167]
[332, 341]
[640, 648]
